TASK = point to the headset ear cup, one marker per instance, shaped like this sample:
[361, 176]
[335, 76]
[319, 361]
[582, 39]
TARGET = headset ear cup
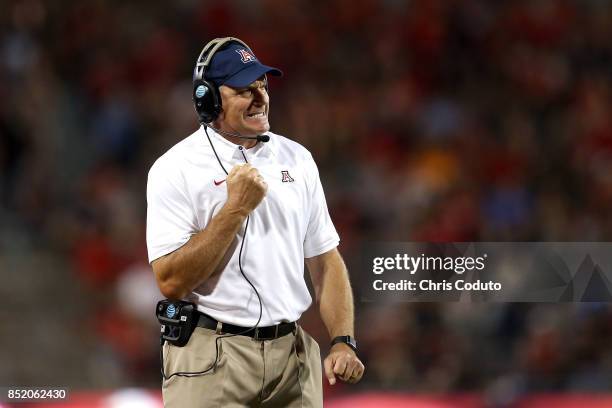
[206, 100]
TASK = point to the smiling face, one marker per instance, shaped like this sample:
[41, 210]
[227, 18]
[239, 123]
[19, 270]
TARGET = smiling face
[245, 110]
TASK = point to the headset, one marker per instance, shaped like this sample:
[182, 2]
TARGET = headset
[206, 95]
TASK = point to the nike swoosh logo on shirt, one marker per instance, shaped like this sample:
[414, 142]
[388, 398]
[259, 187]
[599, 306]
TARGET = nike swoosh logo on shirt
[218, 182]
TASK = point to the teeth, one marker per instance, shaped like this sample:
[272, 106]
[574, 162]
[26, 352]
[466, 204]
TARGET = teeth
[255, 115]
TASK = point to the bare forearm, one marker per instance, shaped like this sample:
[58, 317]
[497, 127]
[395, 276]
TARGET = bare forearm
[183, 270]
[334, 294]
[336, 305]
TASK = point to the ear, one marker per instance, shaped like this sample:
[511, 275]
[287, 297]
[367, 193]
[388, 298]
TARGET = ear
[224, 94]
[223, 91]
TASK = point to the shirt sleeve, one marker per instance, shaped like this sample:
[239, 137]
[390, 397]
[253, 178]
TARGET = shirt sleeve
[321, 235]
[171, 219]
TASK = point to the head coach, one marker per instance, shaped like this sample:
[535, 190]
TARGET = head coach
[234, 212]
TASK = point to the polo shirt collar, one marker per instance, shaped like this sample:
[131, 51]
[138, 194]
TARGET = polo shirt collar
[227, 149]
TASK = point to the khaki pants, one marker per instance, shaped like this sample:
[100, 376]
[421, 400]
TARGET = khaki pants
[284, 372]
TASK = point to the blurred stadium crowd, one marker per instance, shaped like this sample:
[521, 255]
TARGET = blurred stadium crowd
[430, 120]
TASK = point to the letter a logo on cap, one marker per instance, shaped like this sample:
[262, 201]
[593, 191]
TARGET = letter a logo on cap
[246, 56]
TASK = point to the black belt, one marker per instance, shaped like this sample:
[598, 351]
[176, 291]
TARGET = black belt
[259, 333]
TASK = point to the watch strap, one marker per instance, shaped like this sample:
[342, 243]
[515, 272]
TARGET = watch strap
[348, 340]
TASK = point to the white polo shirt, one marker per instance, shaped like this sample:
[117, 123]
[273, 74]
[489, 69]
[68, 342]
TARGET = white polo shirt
[185, 191]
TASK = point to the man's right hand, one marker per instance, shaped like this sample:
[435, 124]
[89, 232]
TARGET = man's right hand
[245, 189]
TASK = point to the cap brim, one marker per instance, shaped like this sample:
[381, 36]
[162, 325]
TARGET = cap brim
[251, 74]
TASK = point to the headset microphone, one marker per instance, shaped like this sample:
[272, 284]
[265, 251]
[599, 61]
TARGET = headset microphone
[259, 138]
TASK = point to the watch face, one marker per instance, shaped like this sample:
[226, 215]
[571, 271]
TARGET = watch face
[351, 342]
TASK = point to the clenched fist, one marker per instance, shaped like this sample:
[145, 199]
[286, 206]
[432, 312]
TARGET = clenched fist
[245, 188]
[342, 362]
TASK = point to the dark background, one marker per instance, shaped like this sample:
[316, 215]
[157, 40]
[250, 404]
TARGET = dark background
[430, 121]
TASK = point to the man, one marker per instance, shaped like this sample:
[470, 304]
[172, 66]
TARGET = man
[235, 242]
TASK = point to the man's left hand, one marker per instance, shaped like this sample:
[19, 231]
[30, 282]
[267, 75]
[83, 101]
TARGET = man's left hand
[344, 363]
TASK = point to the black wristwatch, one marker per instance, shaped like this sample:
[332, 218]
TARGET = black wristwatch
[348, 340]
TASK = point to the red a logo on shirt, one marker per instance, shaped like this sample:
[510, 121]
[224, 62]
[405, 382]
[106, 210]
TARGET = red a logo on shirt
[286, 177]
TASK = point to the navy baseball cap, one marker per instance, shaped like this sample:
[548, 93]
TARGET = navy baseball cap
[237, 66]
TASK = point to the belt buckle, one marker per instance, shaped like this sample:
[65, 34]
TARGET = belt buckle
[256, 335]
[276, 331]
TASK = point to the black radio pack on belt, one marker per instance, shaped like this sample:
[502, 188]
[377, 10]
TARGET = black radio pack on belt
[178, 319]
